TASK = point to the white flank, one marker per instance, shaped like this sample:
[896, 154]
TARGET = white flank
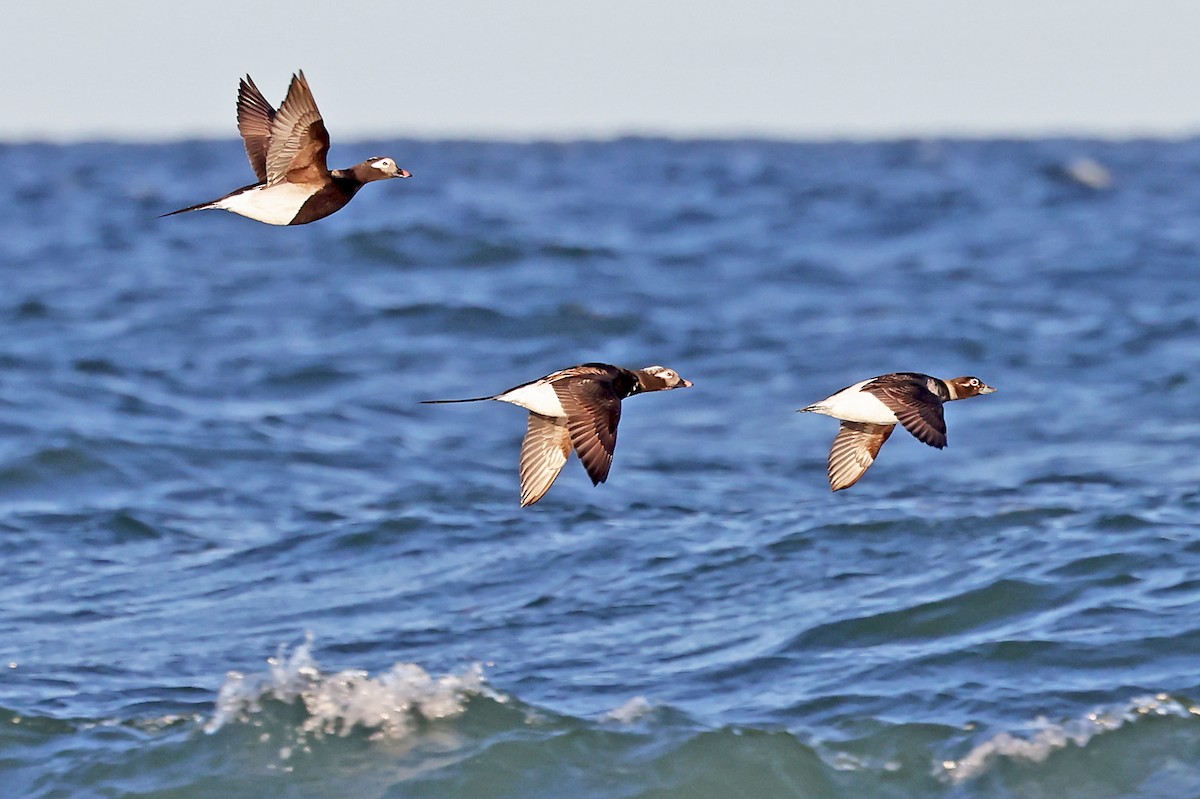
[854, 405]
[276, 205]
[537, 397]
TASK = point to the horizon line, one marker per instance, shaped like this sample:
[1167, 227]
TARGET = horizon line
[533, 136]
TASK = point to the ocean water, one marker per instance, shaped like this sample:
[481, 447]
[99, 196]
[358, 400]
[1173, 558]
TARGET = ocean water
[241, 560]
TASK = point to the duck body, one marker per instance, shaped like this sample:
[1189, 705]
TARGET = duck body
[870, 410]
[287, 150]
[285, 203]
[575, 410]
[852, 404]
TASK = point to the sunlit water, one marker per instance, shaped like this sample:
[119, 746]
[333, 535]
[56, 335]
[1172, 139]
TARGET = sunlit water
[241, 560]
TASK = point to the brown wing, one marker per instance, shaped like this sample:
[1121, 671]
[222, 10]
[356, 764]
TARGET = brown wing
[254, 116]
[917, 408]
[544, 452]
[600, 371]
[854, 451]
[299, 141]
[593, 411]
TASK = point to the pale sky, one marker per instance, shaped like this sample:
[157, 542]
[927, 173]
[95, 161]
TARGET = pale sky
[140, 70]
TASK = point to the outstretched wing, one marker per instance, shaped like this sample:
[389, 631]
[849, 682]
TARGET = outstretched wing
[593, 411]
[544, 452]
[254, 116]
[854, 451]
[917, 408]
[299, 141]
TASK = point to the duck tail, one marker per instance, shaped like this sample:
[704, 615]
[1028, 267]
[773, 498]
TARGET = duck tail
[452, 401]
[200, 207]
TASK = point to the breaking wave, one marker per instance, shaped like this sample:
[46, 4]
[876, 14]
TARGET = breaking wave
[388, 705]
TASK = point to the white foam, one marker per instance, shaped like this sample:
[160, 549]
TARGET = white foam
[1051, 737]
[630, 712]
[1089, 172]
[386, 706]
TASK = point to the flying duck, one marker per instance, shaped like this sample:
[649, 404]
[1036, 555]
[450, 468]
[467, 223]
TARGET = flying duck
[576, 408]
[287, 150]
[871, 409]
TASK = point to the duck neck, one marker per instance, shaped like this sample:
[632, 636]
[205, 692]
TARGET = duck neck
[627, 384]
[346, 180]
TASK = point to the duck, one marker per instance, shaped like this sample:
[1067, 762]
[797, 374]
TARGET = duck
[870, 410]
[574, 409]
[287, 149]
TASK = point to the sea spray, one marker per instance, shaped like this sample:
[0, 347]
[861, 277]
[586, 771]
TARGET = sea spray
[1051, 737]
[389, 705]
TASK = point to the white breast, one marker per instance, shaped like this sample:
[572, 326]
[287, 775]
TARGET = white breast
[537, 397]
[854, 405]
[275, 205]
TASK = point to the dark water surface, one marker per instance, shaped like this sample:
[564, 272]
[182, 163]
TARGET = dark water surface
[241, 560]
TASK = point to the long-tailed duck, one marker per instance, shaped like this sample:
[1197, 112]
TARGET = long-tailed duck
[870, 410]
[576, 408]
[287, 150]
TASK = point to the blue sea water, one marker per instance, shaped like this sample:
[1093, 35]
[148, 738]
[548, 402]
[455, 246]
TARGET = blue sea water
[241, 560]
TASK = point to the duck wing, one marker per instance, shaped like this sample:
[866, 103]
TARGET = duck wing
[915, 406]
[299, 141]
[254, 116]
[593, 412]
[544, 452]
[854, 450]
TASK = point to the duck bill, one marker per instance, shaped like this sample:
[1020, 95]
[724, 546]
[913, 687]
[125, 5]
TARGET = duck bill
[402, 173]
[987, 390]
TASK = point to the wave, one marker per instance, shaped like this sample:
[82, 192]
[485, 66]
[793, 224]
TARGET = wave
[401, 703]
[467, 245]
[1049, 737]
[389, 705]
[295, 726]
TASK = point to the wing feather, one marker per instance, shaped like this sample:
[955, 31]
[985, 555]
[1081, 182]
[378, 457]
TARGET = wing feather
[544, 452]
[254, 116]
[593, 412]
[299, 141]
[915, 406]
[854, 450]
